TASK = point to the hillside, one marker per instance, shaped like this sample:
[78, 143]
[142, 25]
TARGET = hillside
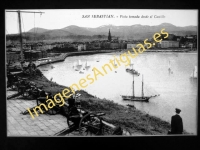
[38, 30]
[135, 32]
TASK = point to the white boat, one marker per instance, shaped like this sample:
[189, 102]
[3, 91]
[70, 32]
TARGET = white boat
[169, 68]
[194, 72]
[169, 65]
[74, 65]
[131, 62]
[79, 63]
[115, 63]
[87, 65]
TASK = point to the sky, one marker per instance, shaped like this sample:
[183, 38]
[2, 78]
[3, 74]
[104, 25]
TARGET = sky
[60, 18]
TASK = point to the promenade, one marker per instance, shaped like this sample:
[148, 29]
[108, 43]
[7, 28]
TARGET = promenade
[23, 125]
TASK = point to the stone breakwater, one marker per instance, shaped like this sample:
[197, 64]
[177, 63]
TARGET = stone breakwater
[64, 55]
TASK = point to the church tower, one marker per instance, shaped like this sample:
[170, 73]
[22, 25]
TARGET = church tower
[109, 36]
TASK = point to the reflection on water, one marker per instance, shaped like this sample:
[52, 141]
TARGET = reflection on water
[174, 85]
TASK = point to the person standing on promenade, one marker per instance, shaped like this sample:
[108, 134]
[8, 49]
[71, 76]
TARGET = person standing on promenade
[176, 123]
[32, 68]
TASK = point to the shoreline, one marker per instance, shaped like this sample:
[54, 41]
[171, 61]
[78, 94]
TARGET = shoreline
[63, 56]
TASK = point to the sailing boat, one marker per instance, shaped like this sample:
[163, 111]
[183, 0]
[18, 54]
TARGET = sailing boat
[86, 65]
[194, 72]
[169, 66]
[73, 65]
[131, 64]
[115, 63]
[79, 63]
[81, 72]
[137, 98]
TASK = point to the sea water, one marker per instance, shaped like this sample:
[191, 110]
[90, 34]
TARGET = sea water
[174, 85]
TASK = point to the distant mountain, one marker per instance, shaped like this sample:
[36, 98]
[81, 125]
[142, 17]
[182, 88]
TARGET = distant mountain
[78, 30]
[57, 33]
[38, 30]
[136, 31]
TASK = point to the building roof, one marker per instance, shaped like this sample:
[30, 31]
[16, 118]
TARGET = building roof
[168, 41]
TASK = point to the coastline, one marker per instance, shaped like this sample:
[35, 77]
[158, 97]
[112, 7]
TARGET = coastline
[64, 55]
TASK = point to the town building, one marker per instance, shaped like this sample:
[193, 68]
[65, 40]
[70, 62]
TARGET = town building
[81, 47]
[114, 45]
[34, 55]
[12, 57]
[130, 46]
[94, 45]
[168, 44]
[105, 45]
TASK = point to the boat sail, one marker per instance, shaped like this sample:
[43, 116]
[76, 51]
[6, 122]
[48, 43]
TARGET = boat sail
[131, 64]
[115, 63]
[169, 66]
[74, 65]
[137, 98]
[87, 65]
[194, 72]
[79, 63]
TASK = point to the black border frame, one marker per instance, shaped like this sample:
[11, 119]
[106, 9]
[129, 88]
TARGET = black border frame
[150, 142]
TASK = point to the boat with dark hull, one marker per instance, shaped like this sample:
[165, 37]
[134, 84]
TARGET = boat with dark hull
[137, 98]
[132, 71]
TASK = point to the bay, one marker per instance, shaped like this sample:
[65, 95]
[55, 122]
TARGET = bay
[175, 87]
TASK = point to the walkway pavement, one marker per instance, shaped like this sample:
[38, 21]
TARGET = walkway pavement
[23, 125]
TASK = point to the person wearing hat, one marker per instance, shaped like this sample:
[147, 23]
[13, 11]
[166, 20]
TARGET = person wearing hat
[176, 123]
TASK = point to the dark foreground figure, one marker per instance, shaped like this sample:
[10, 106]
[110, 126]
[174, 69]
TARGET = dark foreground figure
[176, 123]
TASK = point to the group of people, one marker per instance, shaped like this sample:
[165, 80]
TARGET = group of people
[31, 69]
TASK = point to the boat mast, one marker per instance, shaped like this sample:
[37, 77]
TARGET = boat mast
[193, 72]
[142, 87]
[86, 64]
[21, 44]
[133, 83]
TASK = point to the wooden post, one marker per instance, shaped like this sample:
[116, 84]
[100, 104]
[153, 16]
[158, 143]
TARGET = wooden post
[133, 83]
[142, 87]
[20, 31]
